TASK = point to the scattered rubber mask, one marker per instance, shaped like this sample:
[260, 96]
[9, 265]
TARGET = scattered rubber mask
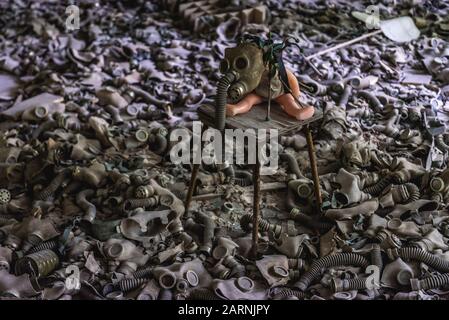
[220, 252]
[132, 110]
[192, 278]
[244, 283]
[182, 285]
[279, 271]
[5, 196]
[437, 184]
[41, 112]
[167, 279]
[228, 207]
[141, 135]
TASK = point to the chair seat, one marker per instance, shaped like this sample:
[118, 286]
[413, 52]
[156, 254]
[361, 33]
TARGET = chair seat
[256, 119]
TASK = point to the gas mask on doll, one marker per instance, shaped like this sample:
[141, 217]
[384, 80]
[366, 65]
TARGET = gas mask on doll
[242, 69]
[245, 60]
[252, 72]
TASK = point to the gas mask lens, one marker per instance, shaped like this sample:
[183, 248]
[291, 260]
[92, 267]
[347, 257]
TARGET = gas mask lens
[241, 63]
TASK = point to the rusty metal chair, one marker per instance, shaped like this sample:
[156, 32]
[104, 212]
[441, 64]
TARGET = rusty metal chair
[256, 119]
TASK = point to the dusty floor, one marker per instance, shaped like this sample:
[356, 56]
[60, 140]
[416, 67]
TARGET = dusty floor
[92, 207]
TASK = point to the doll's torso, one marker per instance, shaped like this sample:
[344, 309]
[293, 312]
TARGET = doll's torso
[276, 86]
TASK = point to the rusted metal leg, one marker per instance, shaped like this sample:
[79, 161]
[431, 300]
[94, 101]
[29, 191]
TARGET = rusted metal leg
[256, 207]
[313, 165]
[195, 170]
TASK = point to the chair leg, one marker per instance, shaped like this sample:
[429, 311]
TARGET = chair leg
[195, 170]
[256, 208]
[316, 179]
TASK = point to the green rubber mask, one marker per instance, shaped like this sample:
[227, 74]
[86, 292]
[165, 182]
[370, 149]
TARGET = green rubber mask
[246, 60]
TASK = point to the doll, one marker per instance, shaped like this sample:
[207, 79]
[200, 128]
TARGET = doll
[246, 80]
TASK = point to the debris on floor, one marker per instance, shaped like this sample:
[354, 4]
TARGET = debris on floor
[92, 207]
